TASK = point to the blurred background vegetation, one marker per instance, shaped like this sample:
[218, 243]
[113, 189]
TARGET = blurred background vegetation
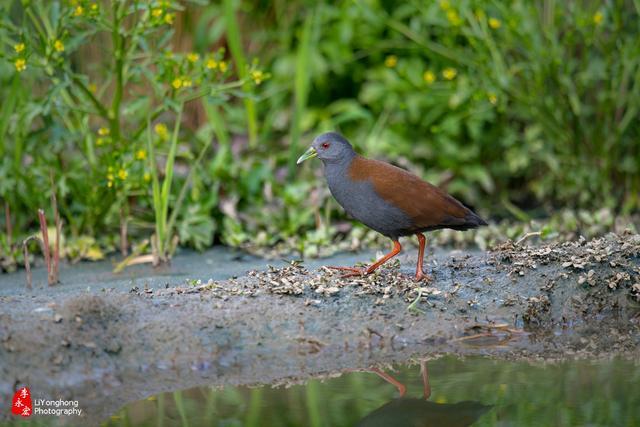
[165, 123]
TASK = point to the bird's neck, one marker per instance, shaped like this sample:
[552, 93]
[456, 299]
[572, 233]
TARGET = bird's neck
[338, 168]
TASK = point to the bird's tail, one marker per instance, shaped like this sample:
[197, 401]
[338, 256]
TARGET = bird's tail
[471, 220]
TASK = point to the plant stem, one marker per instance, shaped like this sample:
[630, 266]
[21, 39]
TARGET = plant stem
[313, 404]
[118, 43]
[179, 401]
[301, 87]
[253, 413]
[165, 236]
[157, 206]
[160, 411]
[27, 264]
[56, 253]
[183, 190]
[102, 111]
[235, 45]
[123, 229]
[45, 246]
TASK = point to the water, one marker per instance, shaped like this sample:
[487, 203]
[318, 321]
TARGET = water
[475, 391]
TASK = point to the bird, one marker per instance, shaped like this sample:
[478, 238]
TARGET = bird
[413, 412]
[390, 200]
[410, 412]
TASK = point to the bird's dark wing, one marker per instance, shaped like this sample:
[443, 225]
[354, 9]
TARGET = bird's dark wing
[428, 206]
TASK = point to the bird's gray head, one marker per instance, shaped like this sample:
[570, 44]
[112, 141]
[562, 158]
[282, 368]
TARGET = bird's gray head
[330, 147]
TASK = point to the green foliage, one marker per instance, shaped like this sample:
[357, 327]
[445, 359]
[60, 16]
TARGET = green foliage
[84, 79]
[516, 108]
[528, 102]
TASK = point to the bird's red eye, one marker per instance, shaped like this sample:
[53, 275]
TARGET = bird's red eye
[325, 145]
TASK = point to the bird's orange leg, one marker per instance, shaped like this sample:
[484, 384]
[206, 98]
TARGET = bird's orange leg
[421, 275]
[355, 271]
[426, 387]
[401, 388]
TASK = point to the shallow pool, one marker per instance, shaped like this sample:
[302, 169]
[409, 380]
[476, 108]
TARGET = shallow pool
[475, 391]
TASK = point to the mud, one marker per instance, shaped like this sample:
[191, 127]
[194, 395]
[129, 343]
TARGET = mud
[107, 340]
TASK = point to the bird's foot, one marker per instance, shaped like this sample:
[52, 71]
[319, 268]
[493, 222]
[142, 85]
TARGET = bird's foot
[350, 271]
[422, 277]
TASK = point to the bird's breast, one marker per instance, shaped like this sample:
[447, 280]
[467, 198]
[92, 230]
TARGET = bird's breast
[360, 200]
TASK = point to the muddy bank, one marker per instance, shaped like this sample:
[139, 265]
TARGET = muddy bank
[123, 339]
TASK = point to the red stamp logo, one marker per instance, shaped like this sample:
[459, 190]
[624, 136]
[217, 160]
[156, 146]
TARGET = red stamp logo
[21, 404]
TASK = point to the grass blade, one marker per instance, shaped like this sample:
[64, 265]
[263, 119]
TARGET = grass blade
[235, 45]
[301, 88]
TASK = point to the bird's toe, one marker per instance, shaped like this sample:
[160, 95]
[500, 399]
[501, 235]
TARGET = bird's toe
[423, 277]
[357, 273]
[349, 271]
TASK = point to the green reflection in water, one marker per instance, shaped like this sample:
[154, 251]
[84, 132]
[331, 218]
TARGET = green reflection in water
[495, 393]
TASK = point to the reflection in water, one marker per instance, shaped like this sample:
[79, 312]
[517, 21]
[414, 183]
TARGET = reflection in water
[521, 394]
[413, 412]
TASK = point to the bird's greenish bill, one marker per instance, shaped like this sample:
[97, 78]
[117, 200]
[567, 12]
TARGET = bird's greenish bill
[309, 154]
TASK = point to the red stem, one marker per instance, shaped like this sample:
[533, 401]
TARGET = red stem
[123, 234]
[45, 249]
[56, 253]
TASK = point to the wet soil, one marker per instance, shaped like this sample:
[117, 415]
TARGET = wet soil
[107, 340]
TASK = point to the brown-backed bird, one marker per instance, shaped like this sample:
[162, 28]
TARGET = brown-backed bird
[387, 199]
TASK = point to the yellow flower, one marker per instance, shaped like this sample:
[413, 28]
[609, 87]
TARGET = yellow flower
[58, 46]
[157, 12]
[99, 141]
[78, 11]
[186, 82]
[168, 18]
[146, 177]
[176, 83]
[223, 66]
[93, 88]
[257, 76]
[141, 154]
[21, 64]
[445, 5]
[161, 130]
[598, 17]
[494, 23]
[19, 47]
[212, 64]
[429, 77]
[449, 73]
[123, 174]
[110, 179]
[94, 7]
[391, 61]
[453, 17]
[193, 57]
[493, 99]
[103, 131]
